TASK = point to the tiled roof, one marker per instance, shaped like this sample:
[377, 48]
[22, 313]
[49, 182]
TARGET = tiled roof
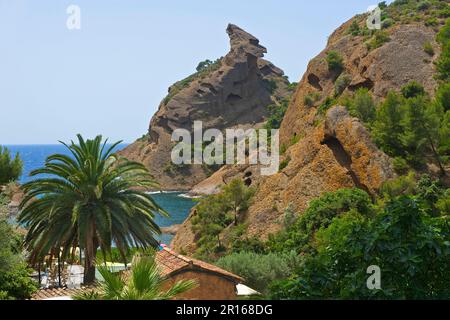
[43, 294]
[171, 262]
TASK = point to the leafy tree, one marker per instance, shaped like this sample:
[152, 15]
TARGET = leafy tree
[363, 106]
[15, 281]
[413, 90]
[259, 270]
[444, 140]
[443, 63]
[10, 169]
[203, 65]
[144, 282]
[90, 200]
[387, 129]
[335, 61]
[319, 214]
[238, 197]
[421, 130]
[443, 96]
[276, 114]
[411, 248]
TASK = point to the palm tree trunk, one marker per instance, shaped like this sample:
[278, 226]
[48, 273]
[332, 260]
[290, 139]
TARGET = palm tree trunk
[89, 274]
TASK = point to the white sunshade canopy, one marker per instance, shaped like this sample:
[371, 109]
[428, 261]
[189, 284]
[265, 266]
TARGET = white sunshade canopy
[243, 290]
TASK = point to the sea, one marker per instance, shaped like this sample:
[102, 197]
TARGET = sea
[178, 206]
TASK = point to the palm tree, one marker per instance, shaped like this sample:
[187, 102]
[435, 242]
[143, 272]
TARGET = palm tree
[143, 282]
[89, 200]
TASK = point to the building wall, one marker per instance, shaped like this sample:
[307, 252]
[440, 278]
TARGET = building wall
[210, 286]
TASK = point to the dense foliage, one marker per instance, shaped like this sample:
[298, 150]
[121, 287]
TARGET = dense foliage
[259, 270]
[15, 281]
[298, 236]
[216, 212]
[10, 169]
[411, 248]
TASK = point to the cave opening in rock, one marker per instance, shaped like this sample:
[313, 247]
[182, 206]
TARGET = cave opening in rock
[314, 81]
[344, 159]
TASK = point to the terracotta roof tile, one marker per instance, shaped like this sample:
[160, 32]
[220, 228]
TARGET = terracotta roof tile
[171, 262]
[43, 294]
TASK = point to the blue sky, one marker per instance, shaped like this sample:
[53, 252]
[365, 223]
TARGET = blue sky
[110, 76]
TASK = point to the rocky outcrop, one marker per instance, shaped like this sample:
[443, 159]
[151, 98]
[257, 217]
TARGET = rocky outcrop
[333, 150]
[338, 154]
[232, 92]
[397, 62]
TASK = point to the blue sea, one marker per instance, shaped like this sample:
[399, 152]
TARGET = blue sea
[33, 157]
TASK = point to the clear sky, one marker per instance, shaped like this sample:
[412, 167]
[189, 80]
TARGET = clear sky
[110, 76]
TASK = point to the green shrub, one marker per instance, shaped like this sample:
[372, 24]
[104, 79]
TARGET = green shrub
[341, 83]
[378, 39]
[259, 270]
[284, 163]
[443, 63]
[363, 106]
[412, 90]
[216, 212]
[428, 48]
[400, 165]
[276, 114]
[335, 61]
[443, 96]
[411, 248]
[354, 29]
[311, 99]
[10, 169]
[423, 5]
[431, 22]
[387, 23]
[327, 104]
[320, 213]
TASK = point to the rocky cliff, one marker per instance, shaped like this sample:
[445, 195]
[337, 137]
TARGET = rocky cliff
[326, 151]
[233, 91]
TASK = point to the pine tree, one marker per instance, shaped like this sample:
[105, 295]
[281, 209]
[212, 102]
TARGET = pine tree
[388, 128]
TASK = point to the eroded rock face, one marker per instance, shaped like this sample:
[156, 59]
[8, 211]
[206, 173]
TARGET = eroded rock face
[235, 93]
[389, 67]
[334, 151]
[338, 154]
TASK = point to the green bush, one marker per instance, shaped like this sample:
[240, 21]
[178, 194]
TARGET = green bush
[216, 212]
[423, 5]
[276, 114]
[284, 163]
[319, 214]
[378, 39]
[411, 249]
[15, 281]
[362, 106]
[443, 96]
[311, 99]
[341, 83]
[10, 169]
[335, 61]
[443, 63]
[259, 270]
[412, 90]
[400, 165]
[428, 48]
[354, 29]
